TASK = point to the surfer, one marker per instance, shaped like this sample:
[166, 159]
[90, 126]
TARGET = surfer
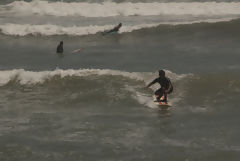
[115, 29]
[166, 87]
[60, 47]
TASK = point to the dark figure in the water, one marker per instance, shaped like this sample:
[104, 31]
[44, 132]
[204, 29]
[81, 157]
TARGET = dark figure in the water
[115, 29]
[166, 87]
[60, 47]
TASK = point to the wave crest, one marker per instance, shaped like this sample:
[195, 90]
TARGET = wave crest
[32, 77]
[50, 30]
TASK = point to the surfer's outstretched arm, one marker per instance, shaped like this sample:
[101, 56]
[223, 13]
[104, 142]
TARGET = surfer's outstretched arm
[151, 83]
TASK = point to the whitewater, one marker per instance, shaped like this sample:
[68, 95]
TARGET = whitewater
[108, 9]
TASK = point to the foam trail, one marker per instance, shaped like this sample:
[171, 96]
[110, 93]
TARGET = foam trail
[107, 9]
[142, 98]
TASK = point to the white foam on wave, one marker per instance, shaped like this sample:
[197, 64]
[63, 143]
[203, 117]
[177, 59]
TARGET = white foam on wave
[51, 30]
[107, 9]
[48, 30]
[32, 77]
[142, 98]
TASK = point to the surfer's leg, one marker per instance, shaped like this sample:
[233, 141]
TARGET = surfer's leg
[159, 94]
[165, 95]
[164, 99]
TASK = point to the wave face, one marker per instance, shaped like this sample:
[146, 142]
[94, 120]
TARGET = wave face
[46, 18]
[189, 88]
[105, 83]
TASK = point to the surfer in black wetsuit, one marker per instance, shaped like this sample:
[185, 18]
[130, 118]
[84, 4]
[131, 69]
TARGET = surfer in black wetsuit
[166, 87]
[115, 29]
[60, 47]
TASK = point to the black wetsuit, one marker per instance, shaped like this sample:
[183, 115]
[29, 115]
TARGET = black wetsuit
[116, 29]
[60, 48]
[165, 83]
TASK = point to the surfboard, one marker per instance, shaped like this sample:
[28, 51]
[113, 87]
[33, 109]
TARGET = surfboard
[163, 104]
[108, 33]
[77, 50]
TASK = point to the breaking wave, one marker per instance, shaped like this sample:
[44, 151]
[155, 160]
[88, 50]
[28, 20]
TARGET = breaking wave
[51, 30]
[108, 9]
[129, 83]
[32, 77]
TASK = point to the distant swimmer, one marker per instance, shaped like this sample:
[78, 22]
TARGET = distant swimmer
[114, 30]
[60, 47]
[166, 87]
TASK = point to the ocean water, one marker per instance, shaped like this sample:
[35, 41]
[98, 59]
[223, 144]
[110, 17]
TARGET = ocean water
[91, 105]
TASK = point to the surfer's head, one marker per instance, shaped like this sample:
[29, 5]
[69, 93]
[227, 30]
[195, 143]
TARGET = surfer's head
[161, 73]
[61, 42]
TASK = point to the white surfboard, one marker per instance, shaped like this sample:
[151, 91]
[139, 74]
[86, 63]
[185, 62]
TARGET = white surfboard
[108, 33]
[161, 104]
[77, 50]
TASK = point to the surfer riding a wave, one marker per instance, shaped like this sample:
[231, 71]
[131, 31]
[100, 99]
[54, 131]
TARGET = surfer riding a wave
[166, 87]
